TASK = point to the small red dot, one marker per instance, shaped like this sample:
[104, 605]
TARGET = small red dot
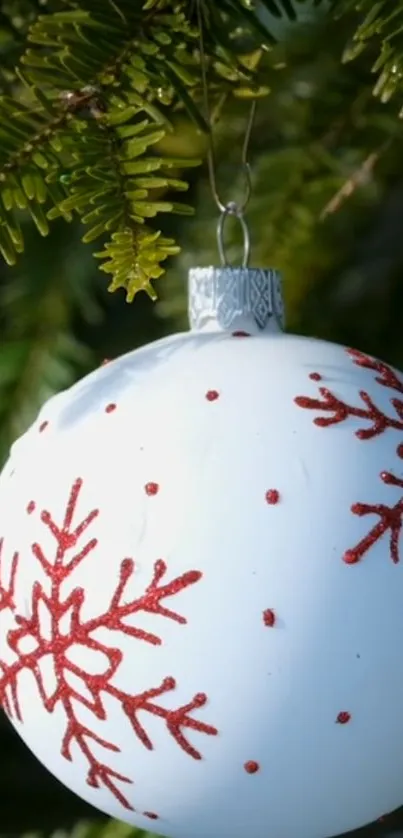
[400, 450]
[151, 815]
[269, 617]
[110, 408]
[212, 395]
[350, 557]
[241, 334]
[31, 507]
[251, 767]
[43, 426]
[315, 376]
[272, 496]
[343, 717]
[151, 488]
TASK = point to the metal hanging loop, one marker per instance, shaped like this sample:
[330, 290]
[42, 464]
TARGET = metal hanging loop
[234, 210]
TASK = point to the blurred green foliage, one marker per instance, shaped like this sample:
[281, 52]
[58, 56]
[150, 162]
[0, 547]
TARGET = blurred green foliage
[110, 829]
[327, 171]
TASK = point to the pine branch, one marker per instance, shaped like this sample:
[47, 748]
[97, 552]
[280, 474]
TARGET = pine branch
[101, 83]
[381, 31]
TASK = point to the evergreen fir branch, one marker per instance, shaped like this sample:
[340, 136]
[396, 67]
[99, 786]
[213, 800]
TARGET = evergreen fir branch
[114, 189]
[380, 28]
[101, 82]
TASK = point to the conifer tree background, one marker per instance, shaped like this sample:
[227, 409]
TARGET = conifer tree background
[103, 144]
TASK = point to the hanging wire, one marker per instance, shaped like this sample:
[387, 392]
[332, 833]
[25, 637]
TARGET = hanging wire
[230, 208]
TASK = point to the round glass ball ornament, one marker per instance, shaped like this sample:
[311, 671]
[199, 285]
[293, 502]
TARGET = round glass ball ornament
[201, 585]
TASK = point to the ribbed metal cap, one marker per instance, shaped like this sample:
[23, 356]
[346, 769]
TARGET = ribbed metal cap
[235, 299]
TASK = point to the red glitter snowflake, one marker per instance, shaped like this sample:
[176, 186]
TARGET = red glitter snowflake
[376, 423]
[57, 643]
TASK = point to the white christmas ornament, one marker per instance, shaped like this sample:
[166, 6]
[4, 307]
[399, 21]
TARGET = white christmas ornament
[200, 588]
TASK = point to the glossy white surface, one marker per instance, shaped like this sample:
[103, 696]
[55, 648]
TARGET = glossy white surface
[272, 693]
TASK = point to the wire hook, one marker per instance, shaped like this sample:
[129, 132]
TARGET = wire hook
[245, 169]
[228, 207]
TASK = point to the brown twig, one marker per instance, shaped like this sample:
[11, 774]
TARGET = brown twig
[355, 181]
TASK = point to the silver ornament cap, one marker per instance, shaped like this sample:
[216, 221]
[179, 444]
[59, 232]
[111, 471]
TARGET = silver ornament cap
[235, 299]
